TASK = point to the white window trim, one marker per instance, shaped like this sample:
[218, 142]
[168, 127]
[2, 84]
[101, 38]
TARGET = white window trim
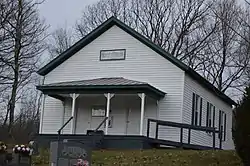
[222, 123]
[197, 110]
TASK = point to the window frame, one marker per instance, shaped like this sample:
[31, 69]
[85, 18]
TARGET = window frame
[196, 110]
[210, 117]
[222, 125]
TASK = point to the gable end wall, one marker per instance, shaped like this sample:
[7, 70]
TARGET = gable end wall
[141, 64]
[191, 86]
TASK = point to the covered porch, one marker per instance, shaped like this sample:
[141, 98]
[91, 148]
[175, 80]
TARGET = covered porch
[122, 105]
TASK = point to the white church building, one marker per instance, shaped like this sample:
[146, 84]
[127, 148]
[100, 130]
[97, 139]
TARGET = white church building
[117, 73]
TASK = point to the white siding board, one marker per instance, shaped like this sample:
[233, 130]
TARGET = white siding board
[52, 115]
[141, 64]
[67, 115]
[198, 137]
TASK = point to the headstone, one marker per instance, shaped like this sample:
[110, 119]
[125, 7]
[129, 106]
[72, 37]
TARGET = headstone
[2, 159]
[69, 154]
[21, 160]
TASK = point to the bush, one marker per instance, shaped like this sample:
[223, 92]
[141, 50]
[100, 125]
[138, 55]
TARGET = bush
[42, 158]
[241, 130]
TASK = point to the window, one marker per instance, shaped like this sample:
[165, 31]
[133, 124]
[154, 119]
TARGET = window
[210, 115]
[222, 125]
[196, 110]
[98, 111]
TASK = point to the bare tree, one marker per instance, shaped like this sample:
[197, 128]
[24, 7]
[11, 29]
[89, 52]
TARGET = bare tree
[228, 57]
[27, 120]
[247, 2]
[95, 14]
[61, 39]
[26, 123]
[22, 49]
[206, 35]
[176, 26]
[169, 24]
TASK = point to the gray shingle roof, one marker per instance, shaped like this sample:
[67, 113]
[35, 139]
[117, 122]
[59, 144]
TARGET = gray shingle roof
[101, 85]
[99, 81]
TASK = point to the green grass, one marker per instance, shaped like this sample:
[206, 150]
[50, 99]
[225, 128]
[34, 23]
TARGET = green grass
[156, 158]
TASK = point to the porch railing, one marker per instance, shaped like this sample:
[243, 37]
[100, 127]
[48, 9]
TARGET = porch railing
[103, 121]
[182, 126]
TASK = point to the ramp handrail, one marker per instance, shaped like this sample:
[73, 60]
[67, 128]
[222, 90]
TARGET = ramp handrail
[184, 126]
[101, 124]
[59, 131]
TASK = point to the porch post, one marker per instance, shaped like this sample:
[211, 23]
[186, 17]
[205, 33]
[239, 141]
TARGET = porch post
[108, 96]
[142, 96]
[63, 115]
[74, 97]
[42, 114]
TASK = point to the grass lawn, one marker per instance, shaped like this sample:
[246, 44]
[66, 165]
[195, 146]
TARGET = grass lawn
[156, 158]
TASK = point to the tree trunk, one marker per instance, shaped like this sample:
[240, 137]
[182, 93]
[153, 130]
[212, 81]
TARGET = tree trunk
[17, 49]
[12, 102]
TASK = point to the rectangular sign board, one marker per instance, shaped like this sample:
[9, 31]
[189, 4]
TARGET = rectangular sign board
[108, 55]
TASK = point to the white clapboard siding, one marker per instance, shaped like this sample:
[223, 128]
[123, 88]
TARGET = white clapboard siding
[67, 115]
[141, 64]
[52, 118]
[199, 137]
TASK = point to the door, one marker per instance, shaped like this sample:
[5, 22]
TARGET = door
[82, 118]
[132, 122]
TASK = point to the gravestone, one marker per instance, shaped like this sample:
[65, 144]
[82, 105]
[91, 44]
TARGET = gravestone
[68, 153]
[21, 160]
[2, 159]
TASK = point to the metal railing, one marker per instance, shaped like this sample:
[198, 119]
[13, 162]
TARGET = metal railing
[184, 126]
[103, 121]
[59, 131]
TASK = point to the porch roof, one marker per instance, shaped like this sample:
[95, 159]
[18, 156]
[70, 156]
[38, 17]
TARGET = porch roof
[101, 85]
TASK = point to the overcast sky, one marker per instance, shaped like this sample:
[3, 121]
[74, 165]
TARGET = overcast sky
[60, 13]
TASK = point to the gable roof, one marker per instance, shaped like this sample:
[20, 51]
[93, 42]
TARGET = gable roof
[114, 21]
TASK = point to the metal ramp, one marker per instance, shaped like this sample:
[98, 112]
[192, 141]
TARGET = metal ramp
[157, 143]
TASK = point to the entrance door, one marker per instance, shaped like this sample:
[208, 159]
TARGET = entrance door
[132, 122]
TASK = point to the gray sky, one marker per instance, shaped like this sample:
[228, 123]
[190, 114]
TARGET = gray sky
[61, 13]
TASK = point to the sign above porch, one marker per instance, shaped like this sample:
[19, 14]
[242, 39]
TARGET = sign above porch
[109, 55]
